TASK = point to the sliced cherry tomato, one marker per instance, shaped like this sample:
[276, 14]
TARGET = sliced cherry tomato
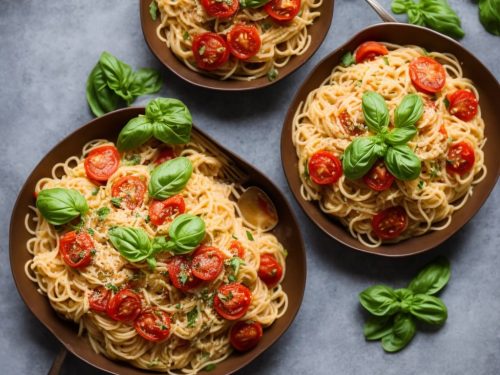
[75, 249]
[378, 178]
[160, 211]
[166, 154]
[282, 10]
[210, 51]
[101, 163]
[427, 75]
[245, 336]
[390, 223]
[220, 8]
[324, 168]
[270, 271]
[153, 325]
[232, 301]
[99, 298]
[370, 50]
[349, 125]
[130, 189]
[243, 41]
[124, 306]
[237, 249]
[207, 263]
[463, 104]
[180, 271]
[461, 158]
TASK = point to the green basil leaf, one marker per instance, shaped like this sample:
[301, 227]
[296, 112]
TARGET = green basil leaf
[489, 15]
[405, 298]
[250, 3]
[170, 178]
[360, 156]
[429, 309]
[432, 278]
[348, 59]
[172, 120]
[401, 6]
[161, 243]
[186, 232]
[118, 75]
[402, 162]
[153, 10]
[59, 206]
[375, 111]
[408, 111]
[137, 131]
[416, 17]
[91, 93]
[399, 136]
[132, 243]
[380, 300]
[440, 16]
[403, 330]
[377, 327]
[145, 81]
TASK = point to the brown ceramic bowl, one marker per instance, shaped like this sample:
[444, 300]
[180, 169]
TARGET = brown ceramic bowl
[108, 126]
[318, 32]
[489, 91]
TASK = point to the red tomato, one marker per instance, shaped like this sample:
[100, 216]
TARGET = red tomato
[160, 211]
[153, 325]
[390, 223]
[378, 178]
[463, 104]
[370, 50]
[324, 168]
[99, 298]
[245, 336]
[237, 249]
[130, 189]
[461, 158]
[207, 263]
[210, 51]
[180, 271]
[443, 131]
[270, 271]
[349, 125]
[124, 306]
[282, 10]
[243, 41]
[220, 8]
[427, 75]
[101, 163]
[232, 301]
[166, 154]
[75, 249]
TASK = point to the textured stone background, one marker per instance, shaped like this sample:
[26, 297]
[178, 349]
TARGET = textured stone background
[47, 49]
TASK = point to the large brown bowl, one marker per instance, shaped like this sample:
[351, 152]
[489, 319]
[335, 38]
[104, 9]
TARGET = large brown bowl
[489, 91]
[108, 126]
[317, 30]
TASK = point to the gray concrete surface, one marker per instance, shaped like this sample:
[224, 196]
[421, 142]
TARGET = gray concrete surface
[47, 49]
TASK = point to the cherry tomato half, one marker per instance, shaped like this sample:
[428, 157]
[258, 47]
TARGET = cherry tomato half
[282, 10]
[390, 223]
[460, 158]
[166, 154]
[237, 249]
[153, 325]
[208, 262]
[130, 189]
[220, 8]
[324, 168]
[463, 104]
[210, 51]
[232, 301]
[124, 306]
[369, 51]
[160, 211]
[99, 298]
[427, 75]
[378, 177]
[245, 336]
[180, 271]
[101, 163]
[243, 41]
[270, 271]
[349, 125]
[75, 249]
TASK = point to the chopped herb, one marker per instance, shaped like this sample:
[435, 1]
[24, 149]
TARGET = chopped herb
[386, 60]
[265, 26]
[209, 367]
[95, 191]
[235, 264]
[249, 236]
[424, 51]
[91, 231]
[450, 139]
[201, 51]
[207, 297]
[307, 176]
[102, 213]
[153, 9]
[300, 13]
[111, 287]
[153, 363]
[225, 298]
[186, 36]
[359, 82]
[183, 277]
[231, 278]
[435, 170]
[348, 60]
[147, 219]
[285, 252]
[92, 252]
[234, 236]
[446, 102]
[133, 159]
[192, 317]
[178, 306]
[78, 227]
[116, 202]
[421, 184]
[272, 74]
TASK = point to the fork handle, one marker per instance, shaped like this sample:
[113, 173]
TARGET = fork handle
[382, 13]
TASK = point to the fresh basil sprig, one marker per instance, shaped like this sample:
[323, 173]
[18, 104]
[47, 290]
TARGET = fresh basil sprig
[132, 243]
[395, 312]
[253, 3]
[186, 232]
[166, 119]
[363, 152]
[489, 15]
[170, 178]
[59, 206]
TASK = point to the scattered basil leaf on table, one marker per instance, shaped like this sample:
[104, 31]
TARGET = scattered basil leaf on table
[403, 330]
[145, 81]
[170, 178]
[253, 3]
[377, 327]
[59, 206]
[100, 97]
[489, 15]
[380, 300]
[429, 309]
[153, 10]
[432, 278]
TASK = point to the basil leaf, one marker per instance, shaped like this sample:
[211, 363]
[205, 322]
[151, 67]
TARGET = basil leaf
[137, 131]
[402, 162]
[59, 206]
[171, 119]
[405, 298]
[186, 232]
[360, 156]
[170, 178]
[99, 96]
[118, 75]
[252, 3]
[403, 330]
[489, 15]
[145, 81]
[132, 243]
[377, 327]
[408, 111]
[348, 60]
[400, 6]
[432, 278]
[416, 17]
[429, 309]
[379, 300]
[375, 111]
[153, 9]
[399, 136]
[440, 16]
